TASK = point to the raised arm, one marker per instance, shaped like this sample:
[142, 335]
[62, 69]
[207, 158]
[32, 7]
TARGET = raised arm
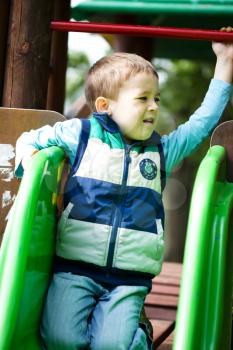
[180, 143]
[224, 63]
[188, 136]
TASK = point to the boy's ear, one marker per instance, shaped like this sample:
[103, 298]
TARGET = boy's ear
[102, 104]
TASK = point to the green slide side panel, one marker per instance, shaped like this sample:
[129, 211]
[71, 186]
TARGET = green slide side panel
[204, 311]
[27, 252]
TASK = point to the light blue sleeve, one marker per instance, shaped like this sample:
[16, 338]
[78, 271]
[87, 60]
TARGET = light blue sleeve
[63, 134]
[187, 137]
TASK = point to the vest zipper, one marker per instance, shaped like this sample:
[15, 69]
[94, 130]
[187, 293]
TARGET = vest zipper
[119, 207]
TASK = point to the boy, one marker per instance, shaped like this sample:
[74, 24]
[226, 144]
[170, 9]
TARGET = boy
[110, 235]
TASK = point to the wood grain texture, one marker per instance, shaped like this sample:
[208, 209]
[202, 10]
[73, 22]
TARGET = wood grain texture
[223, 136]
[27, 63]
[162, 330]
[10, 130]
[58, 59]
[161, 304]
[4, 18]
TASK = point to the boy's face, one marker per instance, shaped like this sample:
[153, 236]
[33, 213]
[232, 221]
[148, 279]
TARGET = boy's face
[135, 110]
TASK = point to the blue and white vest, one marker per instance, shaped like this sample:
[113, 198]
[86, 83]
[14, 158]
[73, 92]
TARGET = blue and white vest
[114, 217]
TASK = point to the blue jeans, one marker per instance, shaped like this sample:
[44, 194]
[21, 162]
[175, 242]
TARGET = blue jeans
[82, 314]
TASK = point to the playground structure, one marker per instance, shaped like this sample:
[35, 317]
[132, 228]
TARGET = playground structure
[28, 248]
[19, 327]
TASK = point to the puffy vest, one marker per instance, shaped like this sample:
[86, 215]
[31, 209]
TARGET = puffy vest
[114, 216]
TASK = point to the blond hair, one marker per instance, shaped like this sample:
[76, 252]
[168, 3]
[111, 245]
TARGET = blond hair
[108, 74]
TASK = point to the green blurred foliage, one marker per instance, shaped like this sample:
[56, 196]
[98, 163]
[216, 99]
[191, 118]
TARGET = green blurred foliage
[185, 86]
[77, 67]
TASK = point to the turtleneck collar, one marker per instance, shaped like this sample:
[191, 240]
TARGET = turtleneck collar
[107, 122]
[111, 126]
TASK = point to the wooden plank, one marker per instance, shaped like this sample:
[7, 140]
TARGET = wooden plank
[161, 330]
[161, 303]
[169, 267]
[164, 289]
[167, 344]
[168, 280]
[161, 300]
[13, 123]
[160, 313]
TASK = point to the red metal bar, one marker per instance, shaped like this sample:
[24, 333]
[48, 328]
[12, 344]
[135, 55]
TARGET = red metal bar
[137, 30]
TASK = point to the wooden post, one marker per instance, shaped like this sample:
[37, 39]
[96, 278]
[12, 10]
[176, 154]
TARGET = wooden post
[58, 59]
[138, 45]
[4, 18]
[27, 63]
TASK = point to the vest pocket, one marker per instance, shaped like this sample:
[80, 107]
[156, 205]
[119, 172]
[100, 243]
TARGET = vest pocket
[138, 251]
[84, 241]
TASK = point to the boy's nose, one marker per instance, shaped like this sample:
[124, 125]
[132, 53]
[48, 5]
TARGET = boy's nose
[153, 106]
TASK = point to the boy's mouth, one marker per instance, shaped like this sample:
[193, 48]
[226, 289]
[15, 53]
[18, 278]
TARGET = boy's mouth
[149, 121]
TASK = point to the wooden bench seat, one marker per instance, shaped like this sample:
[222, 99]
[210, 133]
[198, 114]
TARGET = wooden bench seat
[161, 304]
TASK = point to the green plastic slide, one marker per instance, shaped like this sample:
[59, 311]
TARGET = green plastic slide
[204, 313]
[27, 252]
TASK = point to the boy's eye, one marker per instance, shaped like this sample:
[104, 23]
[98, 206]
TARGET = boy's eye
[144, 98]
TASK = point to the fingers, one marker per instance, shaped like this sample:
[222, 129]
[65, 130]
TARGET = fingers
[226, 29]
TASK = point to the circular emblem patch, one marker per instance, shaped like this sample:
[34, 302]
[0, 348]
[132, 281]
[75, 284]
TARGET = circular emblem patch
[148, 169]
